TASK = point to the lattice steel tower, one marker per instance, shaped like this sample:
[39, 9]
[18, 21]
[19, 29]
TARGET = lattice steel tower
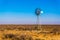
[38, 12]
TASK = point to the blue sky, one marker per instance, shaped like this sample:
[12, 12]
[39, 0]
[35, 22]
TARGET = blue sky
[23, 11]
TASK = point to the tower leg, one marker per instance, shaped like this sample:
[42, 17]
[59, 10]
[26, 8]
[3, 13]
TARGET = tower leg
[38, 24]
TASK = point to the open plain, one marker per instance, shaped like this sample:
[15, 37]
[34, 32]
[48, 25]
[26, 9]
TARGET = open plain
[29, 32]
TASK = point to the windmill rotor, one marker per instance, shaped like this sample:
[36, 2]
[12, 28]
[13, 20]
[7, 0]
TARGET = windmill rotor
[37, 11]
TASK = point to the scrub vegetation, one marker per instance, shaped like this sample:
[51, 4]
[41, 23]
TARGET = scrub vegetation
[29, 32]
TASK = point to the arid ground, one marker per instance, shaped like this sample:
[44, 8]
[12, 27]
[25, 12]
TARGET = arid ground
[29, 32]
